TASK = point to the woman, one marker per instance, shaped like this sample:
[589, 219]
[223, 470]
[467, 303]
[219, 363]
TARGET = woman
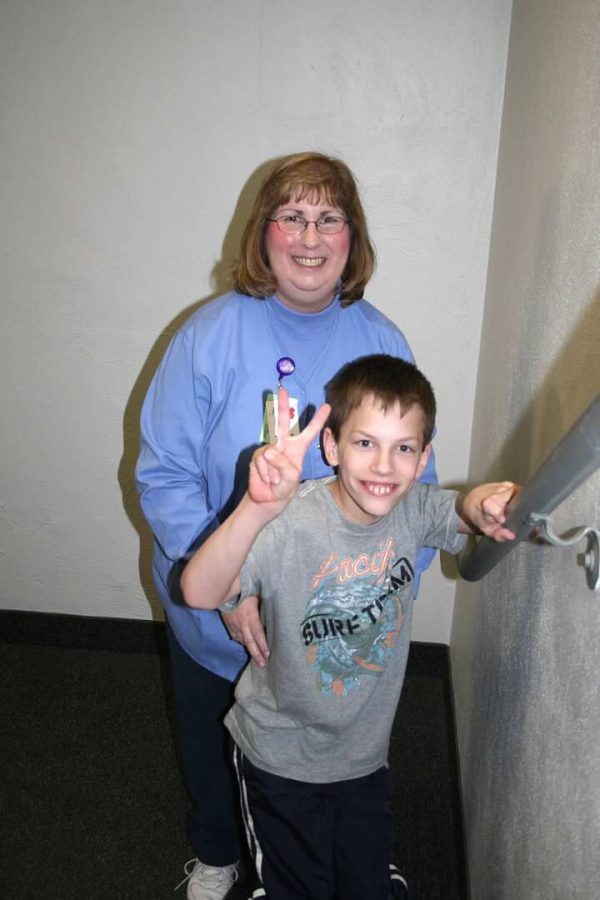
[296, 312]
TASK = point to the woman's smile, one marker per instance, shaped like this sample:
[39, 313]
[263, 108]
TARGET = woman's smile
[307, 266]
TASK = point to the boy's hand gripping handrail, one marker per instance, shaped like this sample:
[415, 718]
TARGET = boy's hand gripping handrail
[572, 461]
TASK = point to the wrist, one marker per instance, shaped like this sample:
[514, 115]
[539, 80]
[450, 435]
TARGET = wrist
[261, 512]
[466, 524]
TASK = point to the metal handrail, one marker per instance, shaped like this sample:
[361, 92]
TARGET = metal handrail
[574, 459]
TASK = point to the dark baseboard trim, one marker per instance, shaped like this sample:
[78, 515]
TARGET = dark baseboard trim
[144, 636]
[82, 632]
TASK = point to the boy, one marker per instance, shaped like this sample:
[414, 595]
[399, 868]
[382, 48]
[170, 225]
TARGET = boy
[333, 561]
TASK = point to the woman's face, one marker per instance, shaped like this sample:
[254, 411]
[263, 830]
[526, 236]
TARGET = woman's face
[306, 266]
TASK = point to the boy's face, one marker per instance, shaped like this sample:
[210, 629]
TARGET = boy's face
[379, 457]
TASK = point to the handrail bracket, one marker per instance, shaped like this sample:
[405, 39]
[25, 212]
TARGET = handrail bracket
[591, 556]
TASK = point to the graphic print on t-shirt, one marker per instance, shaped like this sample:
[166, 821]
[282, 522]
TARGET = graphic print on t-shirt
[353, 620]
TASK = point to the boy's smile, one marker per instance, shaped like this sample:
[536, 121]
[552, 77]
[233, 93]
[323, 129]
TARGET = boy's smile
[379, 456]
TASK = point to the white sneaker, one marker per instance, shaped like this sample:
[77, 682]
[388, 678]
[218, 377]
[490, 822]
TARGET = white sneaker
[209, 882]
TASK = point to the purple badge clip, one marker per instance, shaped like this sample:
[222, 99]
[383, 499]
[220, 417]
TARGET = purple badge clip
[285, 366]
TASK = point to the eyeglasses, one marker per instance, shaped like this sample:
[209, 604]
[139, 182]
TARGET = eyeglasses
[298, 224]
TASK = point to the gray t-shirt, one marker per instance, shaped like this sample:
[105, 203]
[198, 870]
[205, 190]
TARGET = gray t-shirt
[337, 607]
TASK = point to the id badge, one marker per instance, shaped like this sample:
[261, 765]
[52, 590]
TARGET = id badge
[270, 424]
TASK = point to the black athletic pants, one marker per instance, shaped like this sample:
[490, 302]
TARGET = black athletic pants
[318, 841]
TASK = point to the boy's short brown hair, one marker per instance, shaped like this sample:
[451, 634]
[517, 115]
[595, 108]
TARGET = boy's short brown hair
[389, 380]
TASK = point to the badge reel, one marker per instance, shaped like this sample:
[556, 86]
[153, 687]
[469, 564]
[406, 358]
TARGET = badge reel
[285, 366]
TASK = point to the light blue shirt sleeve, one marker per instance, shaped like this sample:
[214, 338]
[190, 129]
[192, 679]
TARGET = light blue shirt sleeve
[169, 472]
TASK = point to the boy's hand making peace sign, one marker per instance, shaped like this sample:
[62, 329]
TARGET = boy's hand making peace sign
[276, 469]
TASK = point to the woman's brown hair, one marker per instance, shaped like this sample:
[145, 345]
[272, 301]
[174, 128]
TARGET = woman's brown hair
[315, 178]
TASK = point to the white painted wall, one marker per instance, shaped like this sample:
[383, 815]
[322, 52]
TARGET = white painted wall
[132, 137]
[526, 640]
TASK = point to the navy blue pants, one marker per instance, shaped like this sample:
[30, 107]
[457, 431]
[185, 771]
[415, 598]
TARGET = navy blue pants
[202, 699]
[318, 841]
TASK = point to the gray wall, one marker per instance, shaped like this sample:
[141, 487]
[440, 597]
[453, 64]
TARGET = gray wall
[526, 641]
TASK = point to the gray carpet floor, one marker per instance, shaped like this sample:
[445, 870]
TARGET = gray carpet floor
[94, 803]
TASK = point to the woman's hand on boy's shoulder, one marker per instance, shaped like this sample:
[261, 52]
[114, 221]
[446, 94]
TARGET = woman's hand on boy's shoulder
[484, 509]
